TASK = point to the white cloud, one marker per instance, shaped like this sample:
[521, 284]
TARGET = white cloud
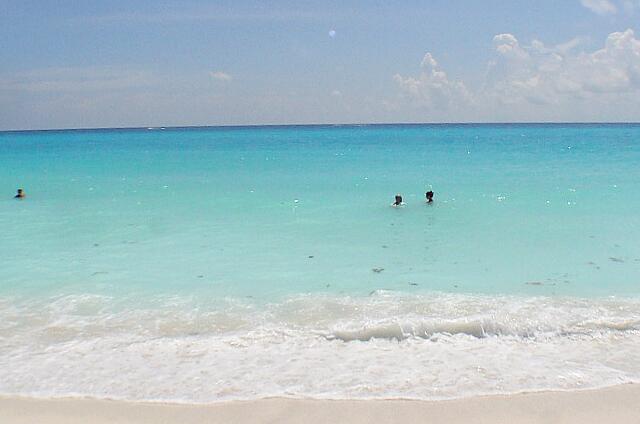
[547, 75]
[536, 82]
[432, 88]
[76, 80]
[105, 97]
[567, 46]
[601, 7]
[508, 46]
[221, 76]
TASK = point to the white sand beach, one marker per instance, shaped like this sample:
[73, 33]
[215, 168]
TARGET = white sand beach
[620, 404]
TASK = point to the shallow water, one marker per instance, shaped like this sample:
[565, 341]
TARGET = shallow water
[225, 263]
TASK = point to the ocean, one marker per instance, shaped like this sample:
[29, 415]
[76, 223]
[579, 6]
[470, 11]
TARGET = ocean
[205, 264]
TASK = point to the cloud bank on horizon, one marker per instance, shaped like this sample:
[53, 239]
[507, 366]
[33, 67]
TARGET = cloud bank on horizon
[259, 66]
[548, 80]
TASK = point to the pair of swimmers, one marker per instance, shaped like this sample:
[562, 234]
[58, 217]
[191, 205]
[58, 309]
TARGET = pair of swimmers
[399, 202]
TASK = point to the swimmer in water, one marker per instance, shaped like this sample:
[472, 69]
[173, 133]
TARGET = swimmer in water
[429, 196]
[398, 201]
[20, 194]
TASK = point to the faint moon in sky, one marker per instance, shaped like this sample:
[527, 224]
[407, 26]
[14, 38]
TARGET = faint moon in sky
[332, 33]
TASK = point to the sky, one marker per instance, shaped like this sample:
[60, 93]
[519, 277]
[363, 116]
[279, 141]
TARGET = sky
[88, 64]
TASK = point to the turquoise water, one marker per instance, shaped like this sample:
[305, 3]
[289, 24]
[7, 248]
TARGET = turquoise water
[252, 246]
[245, 208]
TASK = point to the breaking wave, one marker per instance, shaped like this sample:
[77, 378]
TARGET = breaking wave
[386, 345]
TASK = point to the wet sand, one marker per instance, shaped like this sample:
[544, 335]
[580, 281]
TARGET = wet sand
[620, 404]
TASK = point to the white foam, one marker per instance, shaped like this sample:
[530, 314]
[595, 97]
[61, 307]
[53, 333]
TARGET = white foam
[431, 346]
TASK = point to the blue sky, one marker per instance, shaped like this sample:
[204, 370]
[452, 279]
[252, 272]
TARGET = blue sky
[70, 64]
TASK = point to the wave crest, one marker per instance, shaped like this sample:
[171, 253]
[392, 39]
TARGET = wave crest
[196, 349]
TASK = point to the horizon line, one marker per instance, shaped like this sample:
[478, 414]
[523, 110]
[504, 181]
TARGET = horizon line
[354, 124]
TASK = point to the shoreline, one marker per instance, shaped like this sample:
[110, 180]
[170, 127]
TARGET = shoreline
[619, 404]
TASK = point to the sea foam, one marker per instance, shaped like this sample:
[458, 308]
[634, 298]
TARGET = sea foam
[387, 345]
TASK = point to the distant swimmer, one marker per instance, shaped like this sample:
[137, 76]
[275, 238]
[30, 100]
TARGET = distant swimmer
[429, 196]
[398, 201]
[20, 194]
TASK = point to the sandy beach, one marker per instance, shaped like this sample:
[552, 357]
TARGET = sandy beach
[618, 404]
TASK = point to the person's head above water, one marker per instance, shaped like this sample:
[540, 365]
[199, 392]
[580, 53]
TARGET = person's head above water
[20, 194]
[429, 196]
[398, 201]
